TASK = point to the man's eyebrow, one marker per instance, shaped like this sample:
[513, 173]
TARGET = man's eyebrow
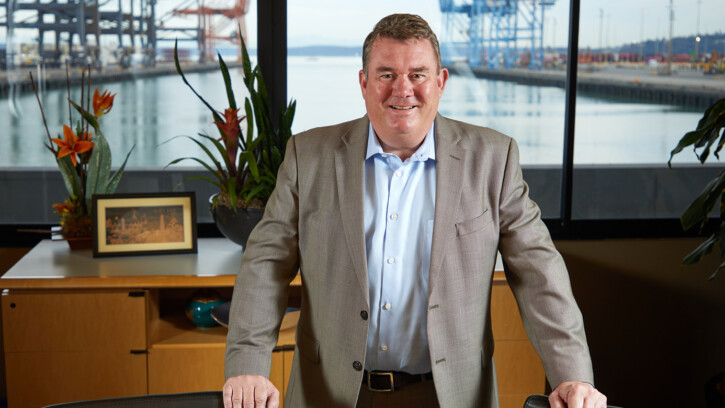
[416, 69]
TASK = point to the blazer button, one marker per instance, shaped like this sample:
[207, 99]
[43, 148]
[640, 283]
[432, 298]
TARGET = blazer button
[357, 365]
[364, 314]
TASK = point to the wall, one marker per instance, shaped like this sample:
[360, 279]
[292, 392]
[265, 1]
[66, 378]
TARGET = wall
[655, 328]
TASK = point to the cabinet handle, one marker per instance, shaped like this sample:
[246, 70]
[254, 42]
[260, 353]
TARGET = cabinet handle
[139, 351]
[138, 293]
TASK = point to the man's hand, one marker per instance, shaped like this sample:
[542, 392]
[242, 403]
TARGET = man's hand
[576, 395]
[250, 391]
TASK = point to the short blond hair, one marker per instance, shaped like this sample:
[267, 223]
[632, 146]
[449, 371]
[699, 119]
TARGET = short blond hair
[401, 27]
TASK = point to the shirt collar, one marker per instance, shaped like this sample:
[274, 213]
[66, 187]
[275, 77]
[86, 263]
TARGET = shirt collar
[425, 151]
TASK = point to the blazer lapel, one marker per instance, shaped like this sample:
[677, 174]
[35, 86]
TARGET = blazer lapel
[450, 159]
[349, 165]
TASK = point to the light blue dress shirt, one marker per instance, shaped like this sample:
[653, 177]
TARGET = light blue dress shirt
[399, 210]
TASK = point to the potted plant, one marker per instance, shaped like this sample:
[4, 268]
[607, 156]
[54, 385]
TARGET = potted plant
[242, 164]
[84, 160]
[709, 133]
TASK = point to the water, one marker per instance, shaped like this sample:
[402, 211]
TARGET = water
[149, 112]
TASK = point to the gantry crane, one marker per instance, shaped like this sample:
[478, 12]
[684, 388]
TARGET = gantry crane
[214, 18]
[493, 32]
[81, 19]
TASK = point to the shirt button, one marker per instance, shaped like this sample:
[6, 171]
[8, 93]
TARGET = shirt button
[398, 173]
[384, 155]
[393, 217]
[357, 365]
[387, 306]
[391, 260]
[384, 347]
[364, 314]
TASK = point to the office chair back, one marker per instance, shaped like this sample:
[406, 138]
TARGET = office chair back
[207, 399]
[542, 401]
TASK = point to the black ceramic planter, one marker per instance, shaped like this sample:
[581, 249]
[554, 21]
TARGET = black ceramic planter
[235, 225]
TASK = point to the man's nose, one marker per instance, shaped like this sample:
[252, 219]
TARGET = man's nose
[402, 86]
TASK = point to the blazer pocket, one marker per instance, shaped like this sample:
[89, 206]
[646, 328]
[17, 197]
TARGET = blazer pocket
[474, 224]
[308, 346]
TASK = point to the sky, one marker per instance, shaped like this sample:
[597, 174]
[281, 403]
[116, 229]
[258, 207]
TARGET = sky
[312, 22]
[609, 23]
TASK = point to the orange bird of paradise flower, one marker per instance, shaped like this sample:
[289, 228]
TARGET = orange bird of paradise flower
[102, 103]
[230, 128]
[71, 145]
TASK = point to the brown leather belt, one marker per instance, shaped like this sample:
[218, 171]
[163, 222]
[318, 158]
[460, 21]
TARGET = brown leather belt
[389, 381]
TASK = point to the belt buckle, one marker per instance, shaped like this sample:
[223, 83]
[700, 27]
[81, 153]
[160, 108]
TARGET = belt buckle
[388, 374]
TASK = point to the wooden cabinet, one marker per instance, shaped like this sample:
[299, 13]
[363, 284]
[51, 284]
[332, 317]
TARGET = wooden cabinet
[518, 368]
[78, 328]
[69, 345]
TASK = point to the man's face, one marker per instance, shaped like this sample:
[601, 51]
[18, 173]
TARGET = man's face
[401, 91]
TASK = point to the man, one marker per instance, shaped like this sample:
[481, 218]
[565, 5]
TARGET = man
[394, 221]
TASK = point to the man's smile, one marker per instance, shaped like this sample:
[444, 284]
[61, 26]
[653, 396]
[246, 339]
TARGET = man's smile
[402, 107]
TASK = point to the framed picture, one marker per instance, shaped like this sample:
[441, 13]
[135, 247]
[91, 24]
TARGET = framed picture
[144, 224]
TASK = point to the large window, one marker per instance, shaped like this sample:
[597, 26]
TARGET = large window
[646, 73]
[324, 59]
[152, 105]
[509, 70]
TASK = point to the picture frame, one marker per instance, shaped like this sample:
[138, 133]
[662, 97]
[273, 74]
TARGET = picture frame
[144, 224]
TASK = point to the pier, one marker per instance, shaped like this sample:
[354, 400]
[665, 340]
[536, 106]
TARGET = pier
[56, 78]
[684, 87]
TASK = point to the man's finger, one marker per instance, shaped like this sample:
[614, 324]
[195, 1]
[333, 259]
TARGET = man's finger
[575, 398]
[260, 396]
[248, 397]
[555, 400]
[227, 395]
[273, 398]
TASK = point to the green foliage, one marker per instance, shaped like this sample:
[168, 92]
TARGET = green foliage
[709, 133]
[98, 174]
[250, 174]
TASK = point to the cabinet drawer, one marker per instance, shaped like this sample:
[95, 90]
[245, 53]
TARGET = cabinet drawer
[74, 321]
[186, 369]
[44, 378]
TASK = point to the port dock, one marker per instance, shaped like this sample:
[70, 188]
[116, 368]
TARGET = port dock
[684, 87]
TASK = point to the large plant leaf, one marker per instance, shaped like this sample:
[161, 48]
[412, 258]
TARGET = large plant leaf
[70, 176]
[250, 124]
[702, 250]
[87, 116]
[246, 63]
[714, 274]
[113, 183]
[706, 132]
[252, 163]
[227, 82]
[99, 167]
[699, 209]
[207, 179]
[217, 118]
[202, 162]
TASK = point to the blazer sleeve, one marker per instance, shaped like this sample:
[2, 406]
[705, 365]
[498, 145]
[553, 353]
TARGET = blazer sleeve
[540, 282]
[269, 263]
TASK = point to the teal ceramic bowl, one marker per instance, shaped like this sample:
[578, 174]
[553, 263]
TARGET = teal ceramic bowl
[199, 307]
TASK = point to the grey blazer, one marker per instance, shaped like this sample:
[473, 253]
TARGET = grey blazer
[314, 222]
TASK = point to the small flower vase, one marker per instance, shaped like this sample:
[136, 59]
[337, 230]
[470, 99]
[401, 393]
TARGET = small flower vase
[199, 307]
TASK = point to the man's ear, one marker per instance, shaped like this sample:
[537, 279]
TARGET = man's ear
[363, 82]
[442, 79]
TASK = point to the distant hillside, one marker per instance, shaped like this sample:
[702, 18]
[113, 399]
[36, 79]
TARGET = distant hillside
[308, 51]
[324, 51]
[680, 45]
